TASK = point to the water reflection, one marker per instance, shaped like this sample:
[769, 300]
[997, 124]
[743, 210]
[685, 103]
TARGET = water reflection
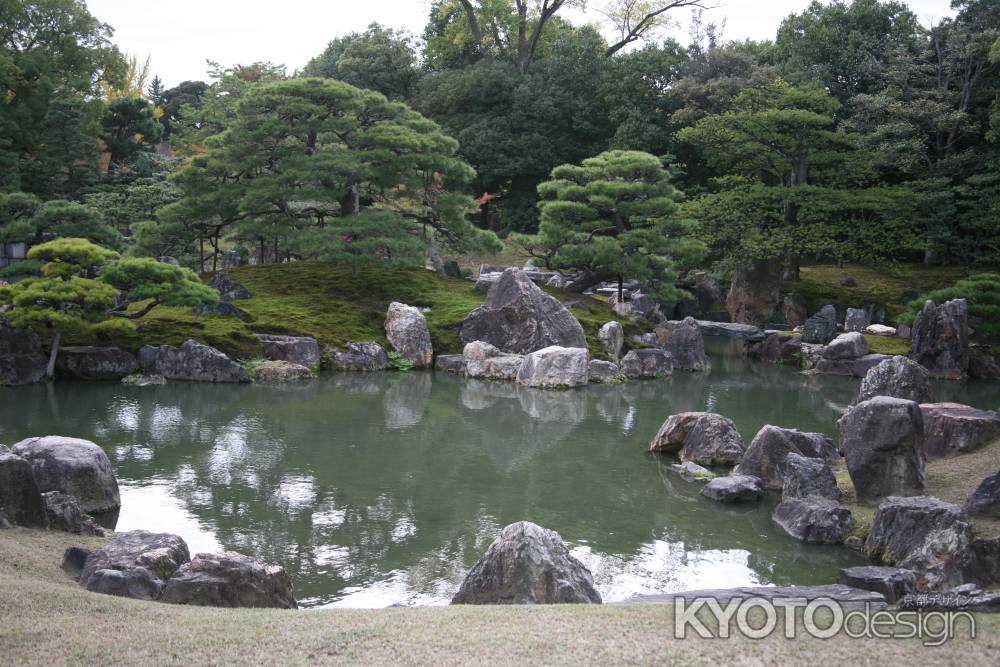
[384, 489]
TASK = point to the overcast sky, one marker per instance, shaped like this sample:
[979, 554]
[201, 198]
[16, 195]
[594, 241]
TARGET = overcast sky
[180, 35]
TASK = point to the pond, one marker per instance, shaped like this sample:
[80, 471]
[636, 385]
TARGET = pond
[379, 490]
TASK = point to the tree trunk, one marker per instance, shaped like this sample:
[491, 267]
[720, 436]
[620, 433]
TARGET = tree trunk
[351, 203]
[621, 290]
[262, 258]
[201, 255]
[50, 370]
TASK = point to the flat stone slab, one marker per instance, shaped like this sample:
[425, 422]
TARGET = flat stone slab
[746, 332]
[847, 597]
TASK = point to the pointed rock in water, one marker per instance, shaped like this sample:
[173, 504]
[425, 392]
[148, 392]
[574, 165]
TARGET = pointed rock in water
[406, 329]
[897, 377]
[687, 346]
[527, 564]
[754, 292]
[519, 317]
[883, 444]
[76, 467]
[765, 457]
[713, 440]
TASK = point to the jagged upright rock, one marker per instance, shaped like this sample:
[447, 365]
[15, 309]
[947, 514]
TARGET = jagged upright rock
[406, 329]
[883, 444]
[941, 339]
[766, 456]
[821, 328]
[754, 293]
[75, 467]
[807, 476]
[527, 564]
[898, 377]
[856, 320]
[519, 317]
[687, 346]
[612, 337]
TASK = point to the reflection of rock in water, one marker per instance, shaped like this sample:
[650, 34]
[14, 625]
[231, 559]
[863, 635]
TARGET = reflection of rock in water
[361, 383]
[406, 400]
[608, 401]
[534, 419]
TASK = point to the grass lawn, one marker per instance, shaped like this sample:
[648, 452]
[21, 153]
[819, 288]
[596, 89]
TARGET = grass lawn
[47, 619]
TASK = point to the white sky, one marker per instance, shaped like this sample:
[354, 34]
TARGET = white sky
[180, 35]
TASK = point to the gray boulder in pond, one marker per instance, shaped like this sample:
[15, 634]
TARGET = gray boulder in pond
[898, 377]
[604, 372]
[713, 440]
[821, 328]
[95, 363]
[985, 500]
[229, 579]
[75, 467]
[941, 338]
[733, 489]
[951, 429]
[486, 362]
[360, 357]
[228, 287]
[883, 444]
[21, 358]
[892, 582]
[814, 519]
[856, 320]
[159, 553]
[850, 345]
[805, 476]
[20, 500]
[765, 457]
[687, 346]
[519, 317]
[406, 329]
[674, 431]
[919, 533]
[612, 337]
[301, 350]
[649, 363]
[191, 361]
[276, 372]
[64, 514]
[527, 564]
[555, 367]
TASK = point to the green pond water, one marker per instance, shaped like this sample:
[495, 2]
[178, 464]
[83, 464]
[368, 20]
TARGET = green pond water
[379, 490]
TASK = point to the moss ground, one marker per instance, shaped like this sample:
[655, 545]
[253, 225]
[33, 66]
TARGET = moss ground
[47, 619]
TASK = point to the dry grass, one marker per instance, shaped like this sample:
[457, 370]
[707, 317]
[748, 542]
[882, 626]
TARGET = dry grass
[46, 619]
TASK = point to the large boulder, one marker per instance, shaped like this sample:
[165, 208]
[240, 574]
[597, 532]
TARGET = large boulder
[898, 377]
[754, 292]
[612, 337]
[361, 357]
[648, 363]
[604, 372]
[919, 533]
[20, 500]
[951, 429]
[779, 347]
[687, 346]
[707, 291]
[814, 519]
[64, 514]
[191, 361]
[807, 476]
[75, 467]
[733, 489]
[406, 329]
[21, 359]
[883, 444]
[300, 350]
[712, 440]
[850, 345]
[856, 320]
[519, 317]
[228, 287]
[821, 328]
[892, 582]
[674, 431]
[941, 339]
[857, 367]
[555, 368]
[527, 564]
[159, 554]
[486, 362]
[276, 372]
[765, 457]
[95, 363]
[229, 580]
[135, 582]
[985, 500]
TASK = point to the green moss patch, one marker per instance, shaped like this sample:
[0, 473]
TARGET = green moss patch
[888, 345]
